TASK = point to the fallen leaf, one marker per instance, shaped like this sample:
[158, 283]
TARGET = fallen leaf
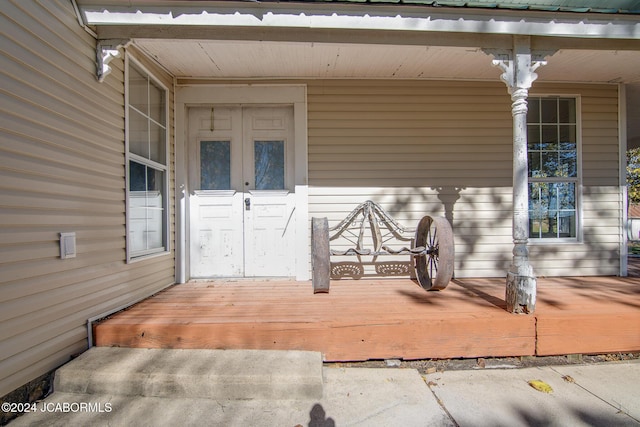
[568, 379]
[541, 386]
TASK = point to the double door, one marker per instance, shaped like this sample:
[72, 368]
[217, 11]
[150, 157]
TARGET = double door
[241, 201]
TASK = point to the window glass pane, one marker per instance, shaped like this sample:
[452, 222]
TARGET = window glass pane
[566, 195]
[567, 224]
[269, 165]
[567, 110]
[549, 111]
[146, 208]
[568, 138]
[215, 165]
[137, 177]
[138, 134]
[567, 164]
[157, 143]
[156, 103]
[154, 209]
[549, 163]
[138, 86]
[552, 209]
[538, 208]
[534, 164]
[533, 110]
[137, 210]
[535, 227]
[549, 137]
[533, 137]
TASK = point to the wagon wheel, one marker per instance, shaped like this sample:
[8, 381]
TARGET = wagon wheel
[434, 270]
[320, 262]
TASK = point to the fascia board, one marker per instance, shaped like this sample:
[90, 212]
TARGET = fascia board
[385, 18]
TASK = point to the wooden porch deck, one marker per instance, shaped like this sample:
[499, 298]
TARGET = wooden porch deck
[379, 319]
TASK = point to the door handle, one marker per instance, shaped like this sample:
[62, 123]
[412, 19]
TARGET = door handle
[247, 204]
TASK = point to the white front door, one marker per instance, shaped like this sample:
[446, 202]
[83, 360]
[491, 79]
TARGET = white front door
[241, 172]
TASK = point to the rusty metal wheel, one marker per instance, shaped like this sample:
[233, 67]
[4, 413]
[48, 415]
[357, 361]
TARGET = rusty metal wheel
[434, 270]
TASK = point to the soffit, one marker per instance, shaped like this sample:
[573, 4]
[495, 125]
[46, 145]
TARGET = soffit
[262, 60]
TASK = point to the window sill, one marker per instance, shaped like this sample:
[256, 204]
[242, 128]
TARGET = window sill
[138, 258]
[554, 241]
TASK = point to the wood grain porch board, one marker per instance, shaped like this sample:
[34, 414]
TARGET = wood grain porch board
[378, 319]
[588, 315]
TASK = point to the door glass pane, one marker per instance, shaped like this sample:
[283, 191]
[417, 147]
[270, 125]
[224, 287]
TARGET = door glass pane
[215, 165]
[269, 165]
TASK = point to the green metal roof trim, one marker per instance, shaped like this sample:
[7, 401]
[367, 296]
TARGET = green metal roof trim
[576, 6]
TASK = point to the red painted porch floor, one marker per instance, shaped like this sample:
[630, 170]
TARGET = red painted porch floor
[379, 319]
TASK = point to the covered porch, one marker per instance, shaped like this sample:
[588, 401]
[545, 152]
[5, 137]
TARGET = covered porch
[380, 319]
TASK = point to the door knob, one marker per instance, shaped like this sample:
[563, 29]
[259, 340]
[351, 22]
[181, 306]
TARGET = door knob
[247, 204]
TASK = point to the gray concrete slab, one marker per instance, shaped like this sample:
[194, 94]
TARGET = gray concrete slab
[493, 397]
[381, 397]
[352, 397]
[617, 383]
[224, 374]
[604, 394]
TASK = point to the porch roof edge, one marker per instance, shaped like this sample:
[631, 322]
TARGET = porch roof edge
[347, 15]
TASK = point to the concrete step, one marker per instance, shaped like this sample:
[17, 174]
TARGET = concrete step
[207, 374]
[352, 396]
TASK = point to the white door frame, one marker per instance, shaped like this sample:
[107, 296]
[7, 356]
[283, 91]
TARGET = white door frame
[208, 95]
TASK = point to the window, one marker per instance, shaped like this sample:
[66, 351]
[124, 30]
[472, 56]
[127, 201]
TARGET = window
[553, 168]
[147, 196]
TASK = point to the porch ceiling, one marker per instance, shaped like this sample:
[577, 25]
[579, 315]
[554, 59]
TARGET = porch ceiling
[367, 39]
[228, 59]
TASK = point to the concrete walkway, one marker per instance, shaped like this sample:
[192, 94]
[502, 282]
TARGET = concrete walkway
[125, 387]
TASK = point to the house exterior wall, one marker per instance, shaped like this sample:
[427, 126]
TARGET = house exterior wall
[416, 147]
[62, 169]
[445, 148]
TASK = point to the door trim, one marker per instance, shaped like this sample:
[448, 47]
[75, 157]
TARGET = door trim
[258, 95]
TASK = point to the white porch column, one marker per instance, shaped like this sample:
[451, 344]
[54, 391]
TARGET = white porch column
[519, 75]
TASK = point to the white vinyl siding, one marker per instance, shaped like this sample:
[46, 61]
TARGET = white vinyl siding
[418, 148]
[445, 148]
[62, 169]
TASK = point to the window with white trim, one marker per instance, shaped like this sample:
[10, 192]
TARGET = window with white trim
[147, 165]
[553, 168]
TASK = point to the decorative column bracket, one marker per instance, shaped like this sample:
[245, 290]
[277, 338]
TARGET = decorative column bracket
[106, 51]
[504, 60]
[518, 73]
